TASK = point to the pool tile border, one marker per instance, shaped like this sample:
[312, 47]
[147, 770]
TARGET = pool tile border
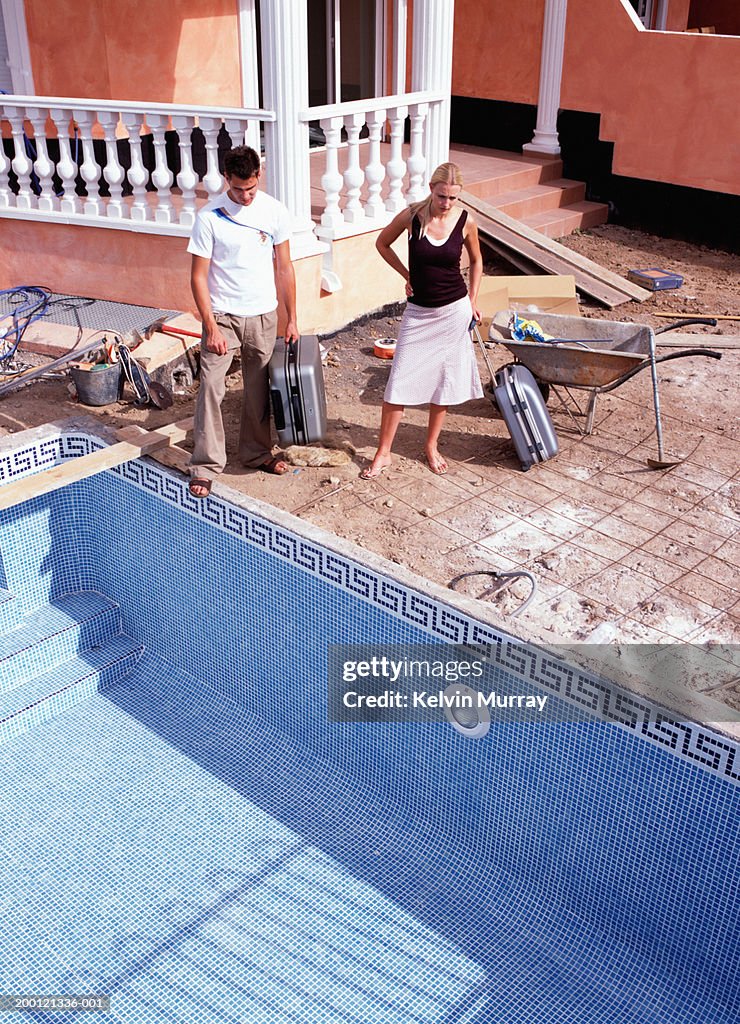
[693, 742]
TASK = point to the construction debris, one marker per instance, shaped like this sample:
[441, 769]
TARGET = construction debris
[526, 248]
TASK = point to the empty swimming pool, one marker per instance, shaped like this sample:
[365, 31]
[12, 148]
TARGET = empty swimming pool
[187, 836]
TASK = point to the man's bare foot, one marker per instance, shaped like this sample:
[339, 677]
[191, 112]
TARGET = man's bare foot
[437, 463]
[376, 467]
[200, 487]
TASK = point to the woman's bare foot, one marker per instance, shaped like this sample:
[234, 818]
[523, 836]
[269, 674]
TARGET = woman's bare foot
[437, 463]
[376, 467]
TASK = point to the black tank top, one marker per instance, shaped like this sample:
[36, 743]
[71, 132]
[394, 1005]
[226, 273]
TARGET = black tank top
[435, 269]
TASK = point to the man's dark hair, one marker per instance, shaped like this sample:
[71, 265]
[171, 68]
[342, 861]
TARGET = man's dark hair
[242, 162]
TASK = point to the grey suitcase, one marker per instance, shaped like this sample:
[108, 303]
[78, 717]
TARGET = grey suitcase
[524, 411]
[297, 391]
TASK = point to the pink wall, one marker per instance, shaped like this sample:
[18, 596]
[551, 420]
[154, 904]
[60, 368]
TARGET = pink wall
[661, 100]
[668, 111]
[677, 15]
[496, 50]
[185, 51]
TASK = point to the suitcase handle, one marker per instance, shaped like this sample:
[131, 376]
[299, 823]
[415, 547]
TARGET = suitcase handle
[277, 409]
[295, 401]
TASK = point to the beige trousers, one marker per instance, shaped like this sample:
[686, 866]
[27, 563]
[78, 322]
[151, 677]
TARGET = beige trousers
[255, 336]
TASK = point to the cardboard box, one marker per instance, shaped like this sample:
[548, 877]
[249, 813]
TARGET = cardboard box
[529, 293]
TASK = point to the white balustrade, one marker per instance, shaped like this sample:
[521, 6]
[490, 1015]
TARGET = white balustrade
[370, 126]
[37, 181]
[127, 150]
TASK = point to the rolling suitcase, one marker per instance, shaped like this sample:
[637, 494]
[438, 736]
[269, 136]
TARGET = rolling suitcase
[297, 391]
[524, 411]
[523, 408]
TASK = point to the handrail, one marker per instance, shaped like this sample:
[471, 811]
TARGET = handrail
[405, 99]
[132, 107]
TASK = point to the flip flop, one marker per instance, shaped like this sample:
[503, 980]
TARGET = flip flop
[271, 466]
[203, 483]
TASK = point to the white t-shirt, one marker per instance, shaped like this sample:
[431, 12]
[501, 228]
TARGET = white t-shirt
[239, 241]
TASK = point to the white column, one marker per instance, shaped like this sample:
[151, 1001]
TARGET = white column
[285, 90]
[431, 68]
[250, 78]
[400, 20]
[545, 138]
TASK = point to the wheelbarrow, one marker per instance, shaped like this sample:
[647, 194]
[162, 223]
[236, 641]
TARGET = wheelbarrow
[595, 356]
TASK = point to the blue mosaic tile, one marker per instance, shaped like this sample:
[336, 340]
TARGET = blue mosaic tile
[221, 851]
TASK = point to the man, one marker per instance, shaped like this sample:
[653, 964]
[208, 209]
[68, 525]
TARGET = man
[240, 246]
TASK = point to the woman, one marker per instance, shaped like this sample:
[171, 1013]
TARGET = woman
[434, 360]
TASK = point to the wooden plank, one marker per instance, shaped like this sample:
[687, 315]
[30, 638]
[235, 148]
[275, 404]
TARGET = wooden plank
[718, 341]
[88, 465]
[585, 282]
[684, 316]
[174, 456]
[555, 249]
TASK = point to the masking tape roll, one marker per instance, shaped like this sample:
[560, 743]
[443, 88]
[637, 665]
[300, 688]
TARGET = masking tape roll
[384, 348]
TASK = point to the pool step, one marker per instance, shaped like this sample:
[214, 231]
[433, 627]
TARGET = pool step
[9, 613]
[67, 684]
[55, 633]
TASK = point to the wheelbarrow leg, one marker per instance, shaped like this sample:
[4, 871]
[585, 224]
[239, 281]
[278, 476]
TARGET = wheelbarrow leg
[591, 412]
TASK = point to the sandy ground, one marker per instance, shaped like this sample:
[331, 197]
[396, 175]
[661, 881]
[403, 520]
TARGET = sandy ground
[432, 527]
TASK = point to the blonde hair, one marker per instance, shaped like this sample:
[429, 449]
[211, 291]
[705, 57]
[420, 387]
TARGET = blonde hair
[445, 174]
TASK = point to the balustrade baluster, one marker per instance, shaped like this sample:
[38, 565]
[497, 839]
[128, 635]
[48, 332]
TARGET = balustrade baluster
[213, 180]
[6, 196]
[353, 176]
[162, 176]
[396, 167]
[66, 166]
[187, 179]
[138, 176]
[374, 169]
[417, 161]
[331, 180]
[42, 165]
[113, 172]
[89, 170]
[22, 166]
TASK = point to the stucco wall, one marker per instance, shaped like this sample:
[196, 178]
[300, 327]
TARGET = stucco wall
[661, 98]
[141, 50]
[154, 270]
[496, 51]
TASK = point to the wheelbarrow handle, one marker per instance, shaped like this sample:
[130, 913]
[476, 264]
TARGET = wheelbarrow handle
[708, 321]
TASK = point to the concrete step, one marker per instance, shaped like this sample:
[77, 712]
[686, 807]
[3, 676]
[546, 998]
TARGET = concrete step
[525, 202]
[559, 222]
[52, 634]
[66, 685]
[509, 172]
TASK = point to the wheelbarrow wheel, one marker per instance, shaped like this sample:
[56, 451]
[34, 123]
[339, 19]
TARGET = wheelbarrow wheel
[544, 389]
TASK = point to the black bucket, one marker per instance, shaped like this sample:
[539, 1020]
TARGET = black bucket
[100, 385]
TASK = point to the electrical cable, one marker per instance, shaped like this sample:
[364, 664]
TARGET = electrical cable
[501, 576]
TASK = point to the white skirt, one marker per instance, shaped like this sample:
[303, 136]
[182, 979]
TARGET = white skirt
[434, 359]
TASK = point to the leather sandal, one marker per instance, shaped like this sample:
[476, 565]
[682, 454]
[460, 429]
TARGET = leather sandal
[201, 482]
[273, 466]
